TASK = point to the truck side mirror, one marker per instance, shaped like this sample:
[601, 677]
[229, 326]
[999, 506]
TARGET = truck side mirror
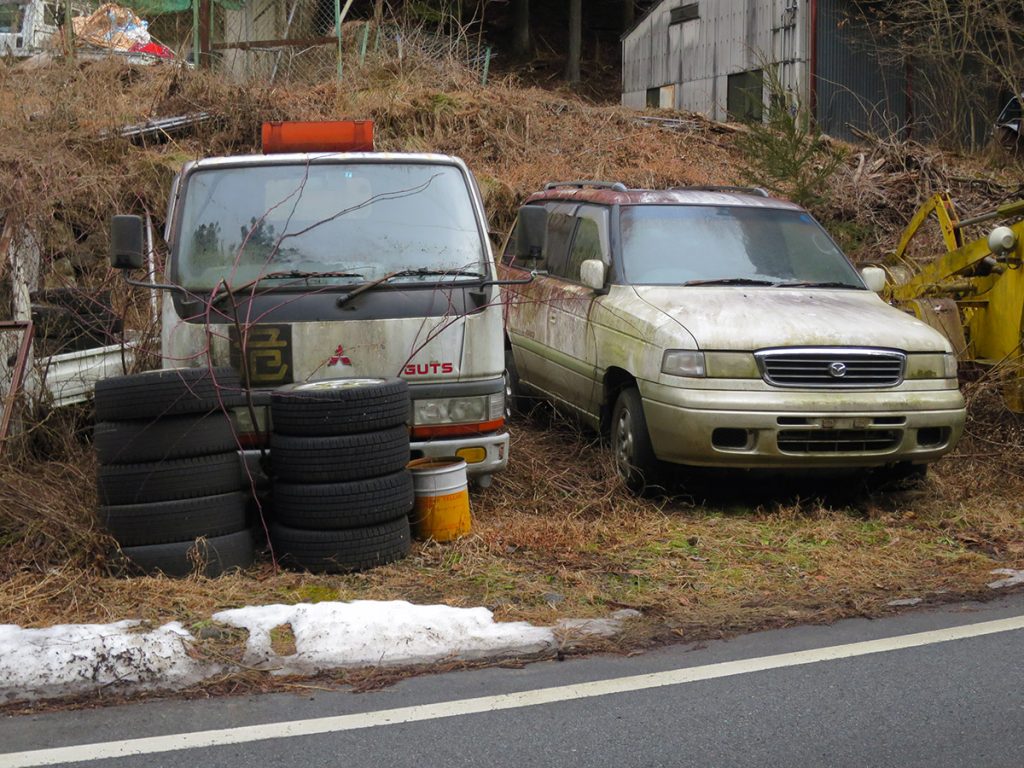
[531, 232]
[126, 238]
[874, 278]
[592, 274]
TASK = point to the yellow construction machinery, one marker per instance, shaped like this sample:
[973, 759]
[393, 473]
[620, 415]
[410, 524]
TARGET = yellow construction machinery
[974, 293]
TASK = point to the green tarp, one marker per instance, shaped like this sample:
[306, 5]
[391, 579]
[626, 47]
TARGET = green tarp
[156, 7]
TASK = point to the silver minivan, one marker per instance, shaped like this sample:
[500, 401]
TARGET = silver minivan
[719, 327]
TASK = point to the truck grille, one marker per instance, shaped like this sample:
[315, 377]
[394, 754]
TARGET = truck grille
[833, 367]
[838, 440]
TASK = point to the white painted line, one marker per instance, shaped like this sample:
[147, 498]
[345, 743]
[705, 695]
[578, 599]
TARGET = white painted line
[204, 739]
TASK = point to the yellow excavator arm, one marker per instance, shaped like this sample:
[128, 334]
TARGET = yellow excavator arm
[983, 279]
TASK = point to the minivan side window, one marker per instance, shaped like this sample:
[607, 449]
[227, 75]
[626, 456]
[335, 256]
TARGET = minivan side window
[560, 226]
[586, 245]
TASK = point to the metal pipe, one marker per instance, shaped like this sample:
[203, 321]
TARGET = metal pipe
[195, 33]
[812, 78]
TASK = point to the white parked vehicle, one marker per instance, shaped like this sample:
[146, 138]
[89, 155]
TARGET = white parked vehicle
[304, 266]
[719, 327]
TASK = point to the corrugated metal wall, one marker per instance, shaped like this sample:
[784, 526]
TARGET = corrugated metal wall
[697, 57]
[857, 88]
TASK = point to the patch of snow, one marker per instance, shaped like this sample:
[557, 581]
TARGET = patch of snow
[366, 632]
[608, 627]
[71, 659]
[904, 601]
[128, 656]
[1014, 577]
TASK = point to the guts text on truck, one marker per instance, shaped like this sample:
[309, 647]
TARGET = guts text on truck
[322, 259]
[719, 327]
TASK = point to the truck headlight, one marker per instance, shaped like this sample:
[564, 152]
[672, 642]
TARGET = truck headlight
[439, 411]
[683, 362]
[934, 365]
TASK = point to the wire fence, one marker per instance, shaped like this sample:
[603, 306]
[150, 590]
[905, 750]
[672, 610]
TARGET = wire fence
[299, 40]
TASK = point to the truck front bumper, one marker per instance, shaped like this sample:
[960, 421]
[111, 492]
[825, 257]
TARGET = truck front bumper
[484, 454]
[793, 430]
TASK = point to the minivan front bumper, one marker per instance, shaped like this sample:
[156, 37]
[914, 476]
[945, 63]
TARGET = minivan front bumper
[787, 430]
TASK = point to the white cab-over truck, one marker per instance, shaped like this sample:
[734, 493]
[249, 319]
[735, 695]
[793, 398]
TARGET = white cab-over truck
[336, 261]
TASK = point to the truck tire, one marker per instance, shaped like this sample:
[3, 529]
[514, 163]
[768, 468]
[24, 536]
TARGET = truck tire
[342, 551]
[338, 458]
[339, 406]
[169, 392]
[175, 437]
[120, 484]
[634, 457]
[160, 522]
[215, 555]
[339, 506]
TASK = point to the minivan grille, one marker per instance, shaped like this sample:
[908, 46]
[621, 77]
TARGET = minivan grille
[832, 367]
[838, 440]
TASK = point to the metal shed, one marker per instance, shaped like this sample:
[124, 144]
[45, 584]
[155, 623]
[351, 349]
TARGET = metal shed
[711, 57]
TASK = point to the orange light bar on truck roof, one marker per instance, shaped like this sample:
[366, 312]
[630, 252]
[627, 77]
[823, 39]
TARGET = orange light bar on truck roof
[319, 136]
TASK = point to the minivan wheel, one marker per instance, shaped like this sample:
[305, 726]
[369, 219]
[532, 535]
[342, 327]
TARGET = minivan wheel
[631, 443]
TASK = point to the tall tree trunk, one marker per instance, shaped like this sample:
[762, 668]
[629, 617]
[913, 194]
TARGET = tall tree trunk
[628, 14]
[572, 67]
[521, 32]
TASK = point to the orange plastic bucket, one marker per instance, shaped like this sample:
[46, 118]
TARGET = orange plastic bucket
[441, 511]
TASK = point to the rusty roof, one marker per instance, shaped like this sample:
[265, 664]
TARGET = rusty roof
[615, 193]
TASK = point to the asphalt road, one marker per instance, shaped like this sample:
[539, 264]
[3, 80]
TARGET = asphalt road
[929, 688]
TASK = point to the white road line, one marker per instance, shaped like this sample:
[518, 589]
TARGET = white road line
[445, 709]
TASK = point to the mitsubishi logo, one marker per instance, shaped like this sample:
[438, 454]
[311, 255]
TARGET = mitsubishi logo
[837, 370]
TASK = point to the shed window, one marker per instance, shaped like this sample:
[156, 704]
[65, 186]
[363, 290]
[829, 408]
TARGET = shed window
[683, 13]
[745, 96]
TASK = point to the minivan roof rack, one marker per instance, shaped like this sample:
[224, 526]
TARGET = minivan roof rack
[759, 191]
[618, 186]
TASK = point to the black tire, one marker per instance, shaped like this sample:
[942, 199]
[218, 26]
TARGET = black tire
[176, 437]
[634, 457]
[215, 555]
[338, 506]
[340, 407]
[341, 551]
[902, 476]
[170, 392]
[338, 458]
[160, 522]
[120, 484]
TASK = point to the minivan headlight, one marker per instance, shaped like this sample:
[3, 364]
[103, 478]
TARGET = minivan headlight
[683, 362]
[934, 365]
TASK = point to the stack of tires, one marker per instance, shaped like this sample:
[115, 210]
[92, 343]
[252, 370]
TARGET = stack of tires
[170, 477]
[342, 495]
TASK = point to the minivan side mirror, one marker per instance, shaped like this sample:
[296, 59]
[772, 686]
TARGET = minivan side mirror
[126, 238]
[592, 273]
[874, 278]
[531, 232]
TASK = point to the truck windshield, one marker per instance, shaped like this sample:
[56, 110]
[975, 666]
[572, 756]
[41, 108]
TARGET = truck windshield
[699, 244]
[329, 224]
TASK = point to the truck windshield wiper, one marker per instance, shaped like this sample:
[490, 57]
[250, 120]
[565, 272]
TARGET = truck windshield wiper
[299, 274]
[294, 274]
[421, 272]
[731, 281]
[814, 284]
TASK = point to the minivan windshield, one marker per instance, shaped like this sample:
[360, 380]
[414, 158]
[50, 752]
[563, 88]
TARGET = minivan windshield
[330, 224]
[738, 245]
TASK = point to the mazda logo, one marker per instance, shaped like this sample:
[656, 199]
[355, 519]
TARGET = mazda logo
[837, 370]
